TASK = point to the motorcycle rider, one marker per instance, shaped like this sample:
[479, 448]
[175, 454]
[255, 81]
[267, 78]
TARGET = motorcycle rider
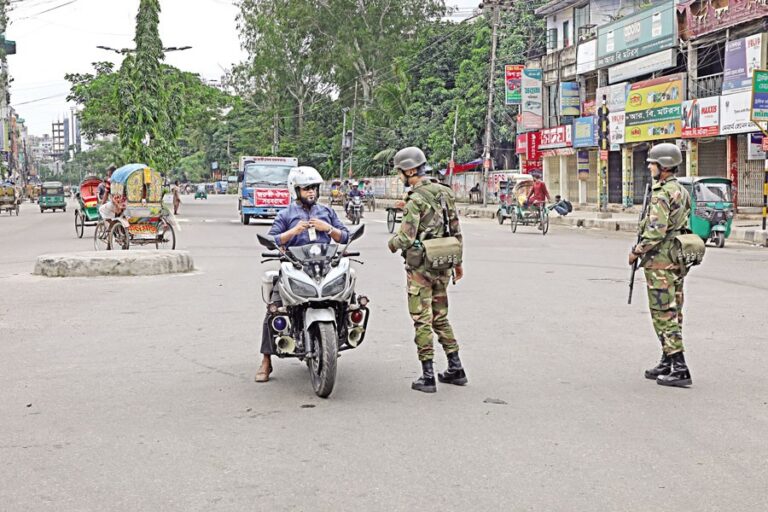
[303, 222]
[427, 289]
[354, 191]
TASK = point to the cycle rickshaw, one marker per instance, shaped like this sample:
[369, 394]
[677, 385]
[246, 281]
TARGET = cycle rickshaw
[87, 213]
[525, 214]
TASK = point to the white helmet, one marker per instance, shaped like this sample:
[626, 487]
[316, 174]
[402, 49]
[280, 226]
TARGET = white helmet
[302, 177]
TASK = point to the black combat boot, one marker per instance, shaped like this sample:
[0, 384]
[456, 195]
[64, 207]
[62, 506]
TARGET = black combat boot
[455, 374]
[426, 382]
[663, 368]
[679, 376]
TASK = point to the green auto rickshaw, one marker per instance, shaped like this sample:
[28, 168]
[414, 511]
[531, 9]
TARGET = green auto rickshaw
[711, 208]
[52, 197]
[201, 193]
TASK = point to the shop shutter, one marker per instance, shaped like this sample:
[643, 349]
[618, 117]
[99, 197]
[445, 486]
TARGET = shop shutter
[751, 175]
[573, 179]
[640, 174]
[713, 158]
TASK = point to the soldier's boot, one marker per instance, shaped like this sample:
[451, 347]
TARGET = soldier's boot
[663, 368]
[425, 383]
[680, 376]
[455, 373]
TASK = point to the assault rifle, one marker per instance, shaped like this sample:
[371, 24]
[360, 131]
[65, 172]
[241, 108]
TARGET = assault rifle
[643, 213]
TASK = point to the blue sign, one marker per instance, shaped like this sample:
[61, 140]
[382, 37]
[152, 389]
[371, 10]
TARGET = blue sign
[585, 132]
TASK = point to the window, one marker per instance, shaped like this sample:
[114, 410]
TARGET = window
[566, 37]
[581, 25]
[552, 39]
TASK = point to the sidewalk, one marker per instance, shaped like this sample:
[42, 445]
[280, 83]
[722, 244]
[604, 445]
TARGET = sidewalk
[745, 229]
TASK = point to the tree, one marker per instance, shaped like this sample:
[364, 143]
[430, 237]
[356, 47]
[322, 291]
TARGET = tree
[98, 93]
[149, 105]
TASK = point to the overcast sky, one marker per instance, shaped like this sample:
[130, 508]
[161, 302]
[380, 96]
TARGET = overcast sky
[64, 39]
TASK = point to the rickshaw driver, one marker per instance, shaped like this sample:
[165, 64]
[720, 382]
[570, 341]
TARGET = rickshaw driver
[112, 209]
[539, 193]
[303, 222]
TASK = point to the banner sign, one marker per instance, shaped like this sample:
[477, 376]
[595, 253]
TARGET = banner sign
[586, 57]
[585, 132]
[755, 146]
[653, 110]
[556, 137]
[271, 197]
[569, 99]
[513, 77]
[589, 108]
[734, 114]
[615, 96]
[617, 126]
[643, 33]
[643, 66]
[530, 166]
[521, 145]
[532, 151]
[742, 57]
[759, 105]
[701, 118]
[582, 165]
[531, 107]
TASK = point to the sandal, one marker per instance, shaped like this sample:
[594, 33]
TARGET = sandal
[263, 375]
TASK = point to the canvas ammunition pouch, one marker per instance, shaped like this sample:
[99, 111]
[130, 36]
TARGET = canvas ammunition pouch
[688, 250]
[436, 252]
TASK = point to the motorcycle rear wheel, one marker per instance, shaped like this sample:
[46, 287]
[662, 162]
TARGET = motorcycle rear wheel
[322, 368]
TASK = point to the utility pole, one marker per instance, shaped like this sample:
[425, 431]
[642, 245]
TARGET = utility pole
[343, 137]
[275, 136]
[354, 118]
[452, 163]
[491, 80]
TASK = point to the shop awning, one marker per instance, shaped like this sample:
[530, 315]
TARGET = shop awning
[459, 168]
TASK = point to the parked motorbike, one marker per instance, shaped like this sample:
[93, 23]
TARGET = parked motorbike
[355, 209]
[314, 310]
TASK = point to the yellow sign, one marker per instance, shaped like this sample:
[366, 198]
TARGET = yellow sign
[659, 130]
[147, 175]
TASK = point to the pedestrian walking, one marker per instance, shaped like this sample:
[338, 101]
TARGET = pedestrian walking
[430, 216]
[176, 192]
[667, 217]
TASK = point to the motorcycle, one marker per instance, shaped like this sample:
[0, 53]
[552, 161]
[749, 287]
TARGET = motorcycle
[355, 209]
[313, 309]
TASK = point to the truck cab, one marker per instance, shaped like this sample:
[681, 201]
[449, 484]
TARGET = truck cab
[263, 189]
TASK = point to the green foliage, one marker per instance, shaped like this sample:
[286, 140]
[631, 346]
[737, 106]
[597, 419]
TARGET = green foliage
[95, 161]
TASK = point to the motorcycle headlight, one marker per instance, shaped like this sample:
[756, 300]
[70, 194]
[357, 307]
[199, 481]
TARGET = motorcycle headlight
[302, 289]
[335, 287]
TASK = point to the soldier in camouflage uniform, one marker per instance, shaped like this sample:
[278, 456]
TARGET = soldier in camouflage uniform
[427, 289]
[667, 217]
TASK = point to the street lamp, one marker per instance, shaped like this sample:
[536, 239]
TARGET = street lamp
[125, 51]
[343, 140]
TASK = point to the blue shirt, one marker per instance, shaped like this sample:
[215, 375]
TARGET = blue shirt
[295, 213]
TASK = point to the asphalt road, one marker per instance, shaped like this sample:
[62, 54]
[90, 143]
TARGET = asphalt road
[127, 394]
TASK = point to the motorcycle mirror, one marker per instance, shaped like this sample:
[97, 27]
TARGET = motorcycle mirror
[356, 234]
[266, 242]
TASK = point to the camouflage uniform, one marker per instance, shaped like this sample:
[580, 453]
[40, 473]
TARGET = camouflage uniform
[667, 217]
[427, 290]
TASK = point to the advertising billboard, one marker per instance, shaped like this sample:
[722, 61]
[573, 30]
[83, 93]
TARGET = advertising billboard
[513, 75]
[653, 110]
[569, 99]
[532, 100]
[585, 132]
[734, 114]
[701, 118]
[742, 57]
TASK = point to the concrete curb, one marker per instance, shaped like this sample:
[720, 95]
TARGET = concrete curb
[114, 263]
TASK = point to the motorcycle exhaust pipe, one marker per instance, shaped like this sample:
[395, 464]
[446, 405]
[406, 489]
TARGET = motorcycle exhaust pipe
[285, 345]
[355, 336]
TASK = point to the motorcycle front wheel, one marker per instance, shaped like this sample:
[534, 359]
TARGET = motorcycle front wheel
[322, 367]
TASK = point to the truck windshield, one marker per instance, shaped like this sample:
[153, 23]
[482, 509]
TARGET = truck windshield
[712, 193]
[266, 174]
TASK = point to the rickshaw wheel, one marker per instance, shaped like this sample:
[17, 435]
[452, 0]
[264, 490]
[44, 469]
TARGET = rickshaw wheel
[391, 220]
[79, 225]
[513, 221]
[544, 220]
[373, 204]
[166, 238]
[118, 237]
[101, 237]
[499, 216]
[719, 239]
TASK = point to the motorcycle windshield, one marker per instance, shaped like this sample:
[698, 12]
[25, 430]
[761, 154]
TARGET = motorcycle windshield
[314, 252]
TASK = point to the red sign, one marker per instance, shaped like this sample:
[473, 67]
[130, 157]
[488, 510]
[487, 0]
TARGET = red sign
[534, 141]
[589, 108]
[702, 17]
[531, 165]
[271, 197]
[557, 137]
[603, 154]
[765, 144]
[521, 148]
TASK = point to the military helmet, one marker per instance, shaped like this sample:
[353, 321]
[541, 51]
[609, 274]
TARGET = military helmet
[410, 158]
[666, 155]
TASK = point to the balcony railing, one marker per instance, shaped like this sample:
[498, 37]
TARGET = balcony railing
[706, 86]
